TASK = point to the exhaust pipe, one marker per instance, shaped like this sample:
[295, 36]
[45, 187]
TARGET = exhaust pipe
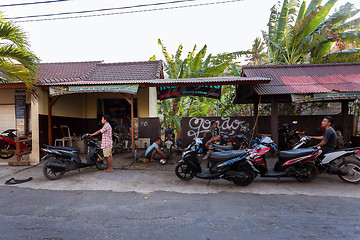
[57, 166]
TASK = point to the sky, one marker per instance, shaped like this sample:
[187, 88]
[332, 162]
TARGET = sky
[129, 37]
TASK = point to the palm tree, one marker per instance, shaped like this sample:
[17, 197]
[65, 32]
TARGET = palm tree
[299, 33]
[17, 62]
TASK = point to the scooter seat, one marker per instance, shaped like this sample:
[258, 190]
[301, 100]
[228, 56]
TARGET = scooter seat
[227, 155]
[76, 149]
[294, 153]
[222, 148]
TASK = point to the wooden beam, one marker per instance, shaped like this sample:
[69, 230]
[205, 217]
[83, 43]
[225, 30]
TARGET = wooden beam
[13, 86]
[274, 120]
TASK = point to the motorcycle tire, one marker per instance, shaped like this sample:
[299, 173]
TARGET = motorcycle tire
[6, 155]
[50, 173]
[248, 171]
[184, 172]
[353, 167]
[101, 162]
[312, 171]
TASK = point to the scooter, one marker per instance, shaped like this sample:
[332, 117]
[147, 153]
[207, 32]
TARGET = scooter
[59, 160]
[297, 163]
[289, 137]
[335, 162]
[169, 142]
[230, 165]
[8, 144]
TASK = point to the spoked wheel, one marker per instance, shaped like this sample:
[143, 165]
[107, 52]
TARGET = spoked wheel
[7, 152]
[310, 171]
[53, 173]
[353, 168]
[184, 172]
[100, 161]
[247, 170]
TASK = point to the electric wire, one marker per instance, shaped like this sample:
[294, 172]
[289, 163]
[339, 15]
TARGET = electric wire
[31, 3]
[129, 12]
[104, 9]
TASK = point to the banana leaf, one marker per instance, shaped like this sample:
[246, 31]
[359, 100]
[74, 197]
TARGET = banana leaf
[198, 60]
[282, 22]
[353, 24]
[210, 72]
[312, 6]
[348, 55]
[301, 12]
[350, 37]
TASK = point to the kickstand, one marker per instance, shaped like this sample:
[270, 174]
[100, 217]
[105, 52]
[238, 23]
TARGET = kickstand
[209, 182]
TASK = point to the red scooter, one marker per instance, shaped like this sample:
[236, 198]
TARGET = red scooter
[8, 144]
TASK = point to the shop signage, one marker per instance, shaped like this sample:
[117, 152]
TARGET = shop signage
[313, 97]
[20, 105]
[202, 91]
[61, 90]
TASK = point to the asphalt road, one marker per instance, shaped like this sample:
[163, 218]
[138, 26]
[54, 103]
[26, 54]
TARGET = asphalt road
[47, 214]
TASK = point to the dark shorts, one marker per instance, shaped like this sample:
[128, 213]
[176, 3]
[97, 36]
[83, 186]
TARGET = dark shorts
[148, 156]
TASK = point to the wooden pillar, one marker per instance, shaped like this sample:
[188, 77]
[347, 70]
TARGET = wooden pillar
[345, 119]
[274, 120]
[256, 112]
[51, 102]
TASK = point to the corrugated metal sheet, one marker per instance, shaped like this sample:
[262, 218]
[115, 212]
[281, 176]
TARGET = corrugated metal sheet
[306, 78]
[165, 82]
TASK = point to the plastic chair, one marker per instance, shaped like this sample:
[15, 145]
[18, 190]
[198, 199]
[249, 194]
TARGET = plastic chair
[66, 139]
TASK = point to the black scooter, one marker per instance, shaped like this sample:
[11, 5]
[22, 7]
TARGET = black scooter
[230, 165]
[63, 159]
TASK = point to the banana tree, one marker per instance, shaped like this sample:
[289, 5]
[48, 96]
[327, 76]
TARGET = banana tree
[17, 62]
[298, 33]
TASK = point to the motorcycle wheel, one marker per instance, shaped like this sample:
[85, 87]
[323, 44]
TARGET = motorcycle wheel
[353, 167]
[50, 173]
[9, 152]
[311, 170]
[101, 162]
[248, 171]
[184, 172]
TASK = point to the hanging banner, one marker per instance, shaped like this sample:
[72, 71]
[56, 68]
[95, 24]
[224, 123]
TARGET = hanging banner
[61, 90]
[201, 91]
[314, 97]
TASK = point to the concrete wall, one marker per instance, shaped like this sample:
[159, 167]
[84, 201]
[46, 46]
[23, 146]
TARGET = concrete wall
[7, 96]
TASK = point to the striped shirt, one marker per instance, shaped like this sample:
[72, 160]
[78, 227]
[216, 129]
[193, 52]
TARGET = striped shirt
[106, 140]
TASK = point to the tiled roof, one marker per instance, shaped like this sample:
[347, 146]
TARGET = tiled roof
[90, 72]
[306, 78]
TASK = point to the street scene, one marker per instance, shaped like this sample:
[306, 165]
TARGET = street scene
[134, 120]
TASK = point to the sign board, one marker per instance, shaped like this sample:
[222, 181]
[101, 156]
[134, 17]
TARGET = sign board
[202, 91]
[20, 106]
[61, 90]
[314, 97]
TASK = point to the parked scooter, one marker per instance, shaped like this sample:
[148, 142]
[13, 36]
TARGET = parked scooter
[8, 144]
[63, 159]
[297, 163]
[335, 162]
[230, 165]
[289, 137]
[169, 142]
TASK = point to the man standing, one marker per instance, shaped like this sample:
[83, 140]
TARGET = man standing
[154, 148]
[215, 133]
[106, 140]
[328, 140]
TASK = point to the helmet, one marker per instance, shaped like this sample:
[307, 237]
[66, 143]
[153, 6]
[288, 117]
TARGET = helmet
[163, 161]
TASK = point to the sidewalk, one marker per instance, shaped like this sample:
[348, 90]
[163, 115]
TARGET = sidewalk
[158, 177]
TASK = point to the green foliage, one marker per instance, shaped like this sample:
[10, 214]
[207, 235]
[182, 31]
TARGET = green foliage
[313, 35]
[17, 62]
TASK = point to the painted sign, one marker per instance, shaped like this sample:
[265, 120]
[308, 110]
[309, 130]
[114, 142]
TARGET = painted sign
[298, 98]
[61, 90]
[202, 91]
[20, 106]
[197, 126]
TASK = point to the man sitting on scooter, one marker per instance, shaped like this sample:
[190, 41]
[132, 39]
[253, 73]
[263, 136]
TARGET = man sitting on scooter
[106, 140]
[328, 140]
[215, 133]
[154, 148]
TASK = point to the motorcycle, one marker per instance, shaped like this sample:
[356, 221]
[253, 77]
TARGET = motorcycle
[169, 142]
[8, 144]
[289, 137]
[335, 162]
[297, 163]
[230, 165]
[59, 160]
